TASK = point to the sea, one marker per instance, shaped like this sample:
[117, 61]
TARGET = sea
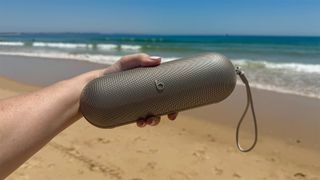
[286, 64]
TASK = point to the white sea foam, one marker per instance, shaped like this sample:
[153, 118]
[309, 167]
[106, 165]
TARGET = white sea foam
[297, 67]
[130, 47]
[110, 59]
[107, 46]
[102, 59]
[96, 58]
[11, 43]
[306, 68]
[61, 45]
[283, 90]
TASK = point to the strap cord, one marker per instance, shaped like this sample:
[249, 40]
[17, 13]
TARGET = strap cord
[249, 103]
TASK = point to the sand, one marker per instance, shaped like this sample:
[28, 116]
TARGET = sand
[200, 144]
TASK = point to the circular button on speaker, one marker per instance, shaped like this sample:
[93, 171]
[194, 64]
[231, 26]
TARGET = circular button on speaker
[159, 85]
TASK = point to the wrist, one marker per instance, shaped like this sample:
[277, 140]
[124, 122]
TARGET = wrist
[82, 80]
[74, 86]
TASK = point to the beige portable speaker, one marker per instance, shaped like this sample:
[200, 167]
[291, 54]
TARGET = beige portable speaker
[124, 97]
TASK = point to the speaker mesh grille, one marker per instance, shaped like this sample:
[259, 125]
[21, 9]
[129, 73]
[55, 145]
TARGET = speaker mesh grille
[121, 98]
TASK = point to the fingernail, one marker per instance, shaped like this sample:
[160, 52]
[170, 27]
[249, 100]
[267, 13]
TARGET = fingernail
[149, 121]
[172, 116]
[156, 58]
[143, 124]
[155, 122]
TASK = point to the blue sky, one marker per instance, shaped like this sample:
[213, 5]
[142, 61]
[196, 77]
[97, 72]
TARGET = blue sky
[248, 17]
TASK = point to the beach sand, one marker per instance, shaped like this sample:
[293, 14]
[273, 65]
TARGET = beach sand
[200, 144]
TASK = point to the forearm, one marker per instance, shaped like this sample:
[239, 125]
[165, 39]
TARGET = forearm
[41, 115]
[28, 122]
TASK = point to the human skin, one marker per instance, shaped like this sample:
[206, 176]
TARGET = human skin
[29, 121]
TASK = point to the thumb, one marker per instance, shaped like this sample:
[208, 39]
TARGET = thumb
[138, 60]
[152, 61]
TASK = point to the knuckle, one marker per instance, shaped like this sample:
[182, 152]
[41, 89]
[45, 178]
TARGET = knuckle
[142, 56]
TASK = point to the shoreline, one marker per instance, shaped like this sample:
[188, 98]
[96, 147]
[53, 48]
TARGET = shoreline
[43, 71]
[86, 65]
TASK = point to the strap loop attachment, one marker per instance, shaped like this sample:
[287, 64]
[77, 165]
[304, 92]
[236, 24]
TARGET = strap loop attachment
[249, 103]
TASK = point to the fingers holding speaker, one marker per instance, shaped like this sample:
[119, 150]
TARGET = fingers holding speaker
[154, 120]
[141, 123]
[137, 60]
[172, 116]
[133, 61]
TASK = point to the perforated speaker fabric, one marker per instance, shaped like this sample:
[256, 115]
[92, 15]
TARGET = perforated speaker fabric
[123, 97]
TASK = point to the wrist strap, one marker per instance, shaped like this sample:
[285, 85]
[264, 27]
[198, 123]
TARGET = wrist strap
[249, 103]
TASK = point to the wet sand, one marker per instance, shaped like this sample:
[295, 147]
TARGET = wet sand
[200, 144]
[42, 71]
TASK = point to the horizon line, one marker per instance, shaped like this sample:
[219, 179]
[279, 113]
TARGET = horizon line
[153, 34]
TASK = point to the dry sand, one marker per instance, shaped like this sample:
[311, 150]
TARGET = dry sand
[192, 147]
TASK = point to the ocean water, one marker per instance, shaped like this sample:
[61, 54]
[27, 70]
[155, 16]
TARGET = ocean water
[282, 64]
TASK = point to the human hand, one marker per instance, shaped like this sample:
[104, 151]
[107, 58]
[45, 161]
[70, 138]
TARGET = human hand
[134, 61]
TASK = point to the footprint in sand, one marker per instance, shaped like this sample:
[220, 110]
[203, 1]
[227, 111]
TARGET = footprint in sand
[182, 132]
[211, 138]
[88, 143]
[80, 171]
[271, 159]
[178, 175]
[235, 175]
[300, 175]
[23, 176]
[103, 140]
[33, 163]
[218, 171]
[139, 138]
[201, 154]
[51, 165]
[149, 151]
[105, 168]
[94, 168]
[151, 165]
[153, 151]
